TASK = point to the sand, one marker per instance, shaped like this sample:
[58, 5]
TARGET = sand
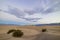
[31, 32]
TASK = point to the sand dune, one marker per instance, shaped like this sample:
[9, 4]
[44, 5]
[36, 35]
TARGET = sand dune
[31, 32]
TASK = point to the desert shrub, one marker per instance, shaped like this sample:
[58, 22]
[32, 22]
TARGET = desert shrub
[10, 31]
[17, 33]
[44, 30]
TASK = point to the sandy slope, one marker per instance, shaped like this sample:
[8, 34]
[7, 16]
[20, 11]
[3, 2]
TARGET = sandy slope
[31, 32]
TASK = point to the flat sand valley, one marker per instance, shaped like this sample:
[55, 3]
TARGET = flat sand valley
[31, 32]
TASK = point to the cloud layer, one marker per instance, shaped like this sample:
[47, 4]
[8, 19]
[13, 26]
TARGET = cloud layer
[30, 11]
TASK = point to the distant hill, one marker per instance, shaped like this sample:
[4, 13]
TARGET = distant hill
[10, 24]
[52, 24]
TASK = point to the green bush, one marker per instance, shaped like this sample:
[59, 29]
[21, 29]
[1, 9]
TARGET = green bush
[18, 33]
[44, 30]
[10, 31]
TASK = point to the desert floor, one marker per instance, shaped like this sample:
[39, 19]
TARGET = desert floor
[31, 32]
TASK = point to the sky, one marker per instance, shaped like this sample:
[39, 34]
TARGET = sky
[28, 12]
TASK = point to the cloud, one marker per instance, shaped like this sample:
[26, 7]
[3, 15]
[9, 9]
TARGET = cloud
[12, 19]
[51, 18]
[47, 11]
[21, 14]
[15, 11]
[55, 6]
[6, 16]
[35, 16]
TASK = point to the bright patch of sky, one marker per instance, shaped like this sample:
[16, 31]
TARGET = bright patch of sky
[30, 11]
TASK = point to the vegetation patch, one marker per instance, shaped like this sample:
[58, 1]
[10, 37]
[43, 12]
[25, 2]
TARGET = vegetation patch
[16, 33]
[44, 30]
[10, 31]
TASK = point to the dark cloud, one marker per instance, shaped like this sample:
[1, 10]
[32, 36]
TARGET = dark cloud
[20, 14]
[50, 6]
[30, 12]
[34, 11]
[39, 10]
[32, 19]
[15, 11]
